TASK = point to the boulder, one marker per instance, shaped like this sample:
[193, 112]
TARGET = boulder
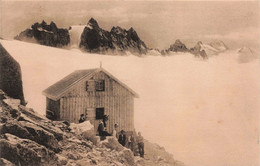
[81, 127]
[41, 136]
[127, 157]
[25, 152]
[30, 131]
[15, 128]
[112, 143]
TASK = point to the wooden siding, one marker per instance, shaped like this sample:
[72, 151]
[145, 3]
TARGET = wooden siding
[117, 101]
[53, 109]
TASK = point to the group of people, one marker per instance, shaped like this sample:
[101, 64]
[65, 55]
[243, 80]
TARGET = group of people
[130, 142]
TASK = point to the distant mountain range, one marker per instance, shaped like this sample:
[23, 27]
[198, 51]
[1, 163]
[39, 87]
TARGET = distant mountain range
[117, 41]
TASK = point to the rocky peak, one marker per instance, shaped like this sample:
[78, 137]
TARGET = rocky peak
[53, 26]
[117, 41]
[178, 41]
[178, 46]
[93, 23]
[198, 51]
[131, 30]
[198, 46]
[43, 23]
[132, 34]
[49, 35]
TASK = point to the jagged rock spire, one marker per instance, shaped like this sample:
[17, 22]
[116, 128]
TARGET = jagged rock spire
[92, 22]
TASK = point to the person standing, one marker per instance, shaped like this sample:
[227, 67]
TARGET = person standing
[140, 143]
[100, 128]
[105, 119]
[122, 138]
[131, 142]
[114, 132]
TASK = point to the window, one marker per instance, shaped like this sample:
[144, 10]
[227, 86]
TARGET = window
[100, 85]
[97, 85]
[99, 113]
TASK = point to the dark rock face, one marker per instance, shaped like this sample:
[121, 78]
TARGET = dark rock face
[178, 46]
[49, 35]
[95, 39]
[10, 76]
[118, 40]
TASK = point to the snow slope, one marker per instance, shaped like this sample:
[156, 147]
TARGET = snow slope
[204, 112]
[219, 45]
[213, 48]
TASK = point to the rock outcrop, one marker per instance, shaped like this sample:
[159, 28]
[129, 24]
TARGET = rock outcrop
[44, 34]
[10, 76]
[117, 41]
[25, 152]
[178, 46]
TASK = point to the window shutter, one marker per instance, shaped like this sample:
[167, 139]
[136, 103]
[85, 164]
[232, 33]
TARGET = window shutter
[90, 85]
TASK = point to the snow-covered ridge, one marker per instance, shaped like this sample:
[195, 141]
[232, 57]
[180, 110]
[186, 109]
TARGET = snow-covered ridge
[213, 48]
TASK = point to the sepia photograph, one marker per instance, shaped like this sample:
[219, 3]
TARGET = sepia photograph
[129, 83]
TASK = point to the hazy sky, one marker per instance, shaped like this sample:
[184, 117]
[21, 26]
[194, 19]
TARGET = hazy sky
[158, 23]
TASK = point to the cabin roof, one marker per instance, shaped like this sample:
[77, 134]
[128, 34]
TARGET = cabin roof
[57, 90]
